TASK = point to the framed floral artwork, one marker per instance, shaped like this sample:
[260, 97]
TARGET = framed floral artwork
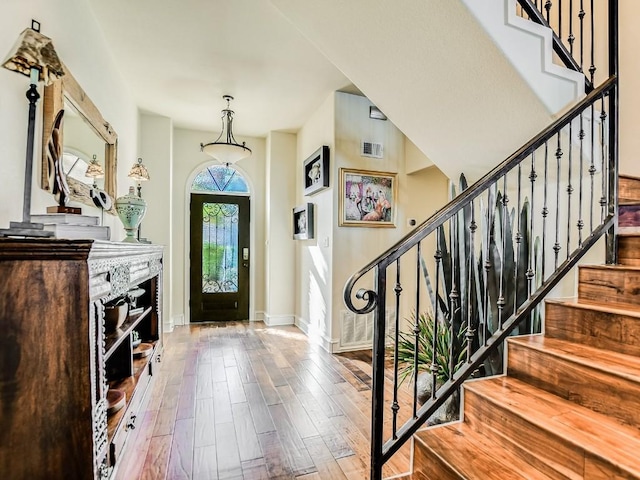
[367, 199]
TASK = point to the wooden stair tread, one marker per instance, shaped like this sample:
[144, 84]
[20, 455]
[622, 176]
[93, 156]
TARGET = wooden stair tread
[473, 456]
[601, 307]
[595, 433]
[628, 176]
[612, 267]
[610, 363]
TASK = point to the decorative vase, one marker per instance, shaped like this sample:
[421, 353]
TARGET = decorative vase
[114, 317]
[131, 209]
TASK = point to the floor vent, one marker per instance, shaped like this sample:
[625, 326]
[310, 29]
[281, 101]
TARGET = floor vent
[371, 149]
[357, 329]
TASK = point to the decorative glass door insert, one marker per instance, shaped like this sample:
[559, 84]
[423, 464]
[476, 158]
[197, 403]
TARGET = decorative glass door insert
[220, 247]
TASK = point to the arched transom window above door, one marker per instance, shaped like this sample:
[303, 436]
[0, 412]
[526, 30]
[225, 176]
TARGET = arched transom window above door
[220, 178]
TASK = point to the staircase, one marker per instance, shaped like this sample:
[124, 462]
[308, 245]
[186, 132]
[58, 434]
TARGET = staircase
[569, 405]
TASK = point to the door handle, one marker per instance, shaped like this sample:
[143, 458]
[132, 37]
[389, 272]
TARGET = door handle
[245, 254]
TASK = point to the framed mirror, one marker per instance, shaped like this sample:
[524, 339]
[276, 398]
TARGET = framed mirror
[85, 133]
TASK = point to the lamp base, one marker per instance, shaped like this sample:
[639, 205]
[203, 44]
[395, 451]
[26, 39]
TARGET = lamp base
[25, 229]
[61, 209]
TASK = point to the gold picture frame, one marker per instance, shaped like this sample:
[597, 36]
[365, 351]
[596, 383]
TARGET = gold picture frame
[367, 198]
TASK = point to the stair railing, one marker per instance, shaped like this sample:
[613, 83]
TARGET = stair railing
[577, 39]
[479, 268]
[492, 266]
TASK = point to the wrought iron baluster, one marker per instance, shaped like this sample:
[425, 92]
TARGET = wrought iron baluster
[547, 7]
[395, 407]
[485, 270]
[581, 15]
[580, 223]
[569, 188]
[572, 37]
[560, 19]
[556, 246]
[545, 209]
[531, 271]
[505, 215]
[453, 296]
[434, 345]
[603, 164]
[470, 330]
[592, 68]
[592, 167]
[518, 238]
[416, 330]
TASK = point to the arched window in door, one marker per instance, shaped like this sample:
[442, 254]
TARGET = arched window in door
[220, 178]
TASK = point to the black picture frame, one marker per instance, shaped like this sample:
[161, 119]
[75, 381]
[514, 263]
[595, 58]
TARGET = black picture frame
[303, 224]
[315, 171]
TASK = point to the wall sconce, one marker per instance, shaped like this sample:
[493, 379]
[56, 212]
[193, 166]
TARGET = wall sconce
[33, 55]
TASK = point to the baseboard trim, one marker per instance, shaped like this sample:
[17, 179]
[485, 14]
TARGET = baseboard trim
[278, 320]
[316, 337]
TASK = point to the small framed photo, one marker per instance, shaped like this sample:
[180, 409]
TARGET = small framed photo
[303, 222]
[367, 199]
[316, 171]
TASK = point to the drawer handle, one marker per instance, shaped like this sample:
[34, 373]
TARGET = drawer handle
[132, 422]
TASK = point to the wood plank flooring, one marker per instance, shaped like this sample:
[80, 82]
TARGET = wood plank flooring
[239, 400]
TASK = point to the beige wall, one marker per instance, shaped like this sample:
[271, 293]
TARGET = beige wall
[629, 87]
[188, 161]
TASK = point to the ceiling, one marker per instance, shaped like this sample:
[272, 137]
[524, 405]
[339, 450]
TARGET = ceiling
[181, 56]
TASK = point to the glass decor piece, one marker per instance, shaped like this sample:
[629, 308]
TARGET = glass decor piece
[220, 247]
[220, 178]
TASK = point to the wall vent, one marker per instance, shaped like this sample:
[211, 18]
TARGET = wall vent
[371, 149]
[357, 329]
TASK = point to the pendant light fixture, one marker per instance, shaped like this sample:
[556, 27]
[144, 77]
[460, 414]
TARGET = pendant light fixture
[225, 148]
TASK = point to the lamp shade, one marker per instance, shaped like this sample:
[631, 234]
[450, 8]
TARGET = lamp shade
[34, 50]
[139, 172]
[225, 148]
[94, 169]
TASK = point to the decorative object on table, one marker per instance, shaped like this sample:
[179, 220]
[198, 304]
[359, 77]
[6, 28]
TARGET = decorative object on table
[143, 350]
[133, 296]
[225, 148]
[316, 171]
[116, 399]
[33, 56]
[367, 199]
[57, 176]
[135, 339]
[115, 313]
[131, 210]
[303, 222]
[74, 227]
[140, 174]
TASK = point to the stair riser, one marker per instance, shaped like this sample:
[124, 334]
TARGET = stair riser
[523, 438]
[629, 216]
[429, 466]
[619, 287]
[628, 189]
[629, 250]
[600, 391]
[594, 328]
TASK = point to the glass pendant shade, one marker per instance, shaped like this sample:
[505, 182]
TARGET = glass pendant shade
[225, 148]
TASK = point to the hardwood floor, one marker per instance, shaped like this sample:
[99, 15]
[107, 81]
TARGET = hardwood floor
[242, 401]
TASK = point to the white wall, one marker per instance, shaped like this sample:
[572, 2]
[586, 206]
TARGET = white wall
[188, 161]
[156, 149]
[314, 283]
[80, 45]
[280, 246]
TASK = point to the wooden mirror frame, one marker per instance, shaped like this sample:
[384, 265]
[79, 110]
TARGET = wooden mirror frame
[67, 88]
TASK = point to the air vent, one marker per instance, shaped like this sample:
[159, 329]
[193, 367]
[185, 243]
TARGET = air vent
[357, 330]
[371, 149]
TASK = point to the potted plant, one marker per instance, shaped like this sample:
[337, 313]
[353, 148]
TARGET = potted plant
[409, 367]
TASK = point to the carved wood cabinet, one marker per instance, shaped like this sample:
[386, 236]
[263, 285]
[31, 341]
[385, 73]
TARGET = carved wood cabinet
[57, 362]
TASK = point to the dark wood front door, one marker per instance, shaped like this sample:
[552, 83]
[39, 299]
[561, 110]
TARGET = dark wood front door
[219, 257]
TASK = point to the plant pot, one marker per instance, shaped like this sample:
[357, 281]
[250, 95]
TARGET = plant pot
[114, 317]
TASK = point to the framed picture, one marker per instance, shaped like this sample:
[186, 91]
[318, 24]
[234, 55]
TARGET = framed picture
[303, 222]
[316, 171]
[367, 199]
